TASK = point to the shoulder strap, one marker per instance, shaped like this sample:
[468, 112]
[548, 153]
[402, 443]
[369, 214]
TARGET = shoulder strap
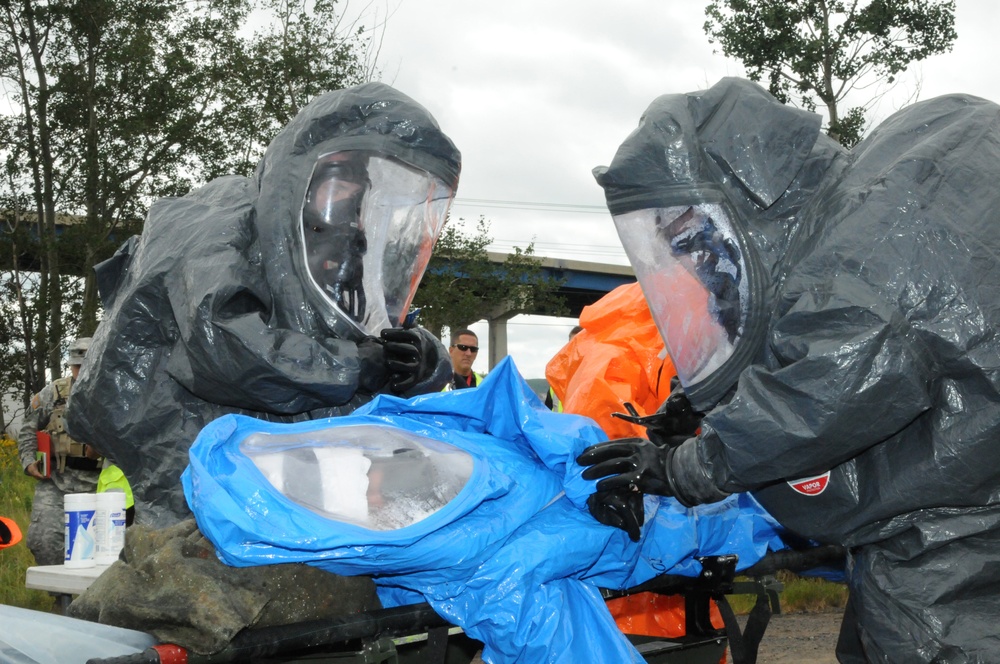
[62, 388]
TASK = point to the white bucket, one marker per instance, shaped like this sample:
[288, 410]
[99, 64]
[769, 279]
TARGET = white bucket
[109, 526]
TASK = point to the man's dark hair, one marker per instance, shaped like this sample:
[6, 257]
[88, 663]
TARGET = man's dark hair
[457, 333]
[577, 329]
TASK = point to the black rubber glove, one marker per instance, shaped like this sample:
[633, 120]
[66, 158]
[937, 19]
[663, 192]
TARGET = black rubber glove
[374, 371]
[675, 417]
[673, 422]
[410, 355]
[621, 509]
[636, 464]
[628, 464]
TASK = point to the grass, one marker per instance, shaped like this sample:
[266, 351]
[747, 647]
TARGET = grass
[16, 491]
[800, 595]
[810, 595]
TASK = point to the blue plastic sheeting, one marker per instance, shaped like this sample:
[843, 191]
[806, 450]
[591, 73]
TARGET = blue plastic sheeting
[515, 558]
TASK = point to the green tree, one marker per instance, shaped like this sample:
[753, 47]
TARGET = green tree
[132, 85]
[119, 102]
[305, 48]
[823, 49]
[462, 285]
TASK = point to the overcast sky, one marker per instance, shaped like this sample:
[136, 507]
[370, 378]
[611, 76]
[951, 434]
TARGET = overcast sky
[535, 93]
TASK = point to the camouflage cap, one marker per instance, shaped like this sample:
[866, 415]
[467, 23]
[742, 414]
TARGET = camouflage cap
[77, 350]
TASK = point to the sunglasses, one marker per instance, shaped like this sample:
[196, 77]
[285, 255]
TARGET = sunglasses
[463, 348]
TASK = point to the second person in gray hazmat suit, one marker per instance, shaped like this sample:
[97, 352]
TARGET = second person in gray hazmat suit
[283, 296]
[834, 315]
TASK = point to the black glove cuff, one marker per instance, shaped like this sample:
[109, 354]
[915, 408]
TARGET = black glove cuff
[373, 372]
[689, 479]
[437, 366]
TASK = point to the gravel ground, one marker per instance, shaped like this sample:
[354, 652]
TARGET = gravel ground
[795, 638]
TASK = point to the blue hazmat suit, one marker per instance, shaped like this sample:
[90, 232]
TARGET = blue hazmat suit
[512, 556]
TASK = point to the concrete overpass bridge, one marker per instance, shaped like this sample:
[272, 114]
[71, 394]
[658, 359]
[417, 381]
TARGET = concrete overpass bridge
[583, 284]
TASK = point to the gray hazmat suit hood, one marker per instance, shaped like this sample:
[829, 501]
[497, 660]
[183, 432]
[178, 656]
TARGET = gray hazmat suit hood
[731, 144]
[210, 311]
[864, 404]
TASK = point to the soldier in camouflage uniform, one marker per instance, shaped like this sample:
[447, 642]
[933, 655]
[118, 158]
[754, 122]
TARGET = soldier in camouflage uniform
[74, 466]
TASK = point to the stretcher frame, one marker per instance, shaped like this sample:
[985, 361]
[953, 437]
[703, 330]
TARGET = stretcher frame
[415, 634]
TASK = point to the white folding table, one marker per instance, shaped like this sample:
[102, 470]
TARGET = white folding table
[62, 581]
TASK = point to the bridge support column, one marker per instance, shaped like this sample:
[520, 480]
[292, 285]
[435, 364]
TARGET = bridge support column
[498, 337]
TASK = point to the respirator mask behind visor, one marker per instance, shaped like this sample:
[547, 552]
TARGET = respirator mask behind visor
[694, 276]
[369, 224]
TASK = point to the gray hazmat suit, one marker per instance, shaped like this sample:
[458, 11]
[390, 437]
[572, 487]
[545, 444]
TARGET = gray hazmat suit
[213, 310]
[854, 386]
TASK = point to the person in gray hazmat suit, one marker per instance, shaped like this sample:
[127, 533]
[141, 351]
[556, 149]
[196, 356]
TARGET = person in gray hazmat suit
[284, 296]
[834, 315]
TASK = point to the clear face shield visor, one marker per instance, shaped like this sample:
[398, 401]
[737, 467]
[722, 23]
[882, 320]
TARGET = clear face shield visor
[377, 477]
[369, 224]
[694, 276]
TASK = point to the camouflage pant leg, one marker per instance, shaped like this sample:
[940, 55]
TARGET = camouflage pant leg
[46, 538]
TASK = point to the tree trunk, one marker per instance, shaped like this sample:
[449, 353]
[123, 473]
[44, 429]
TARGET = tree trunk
[38, 342]
[95, 227]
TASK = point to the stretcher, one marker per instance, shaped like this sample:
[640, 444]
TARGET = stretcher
[415, 634]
